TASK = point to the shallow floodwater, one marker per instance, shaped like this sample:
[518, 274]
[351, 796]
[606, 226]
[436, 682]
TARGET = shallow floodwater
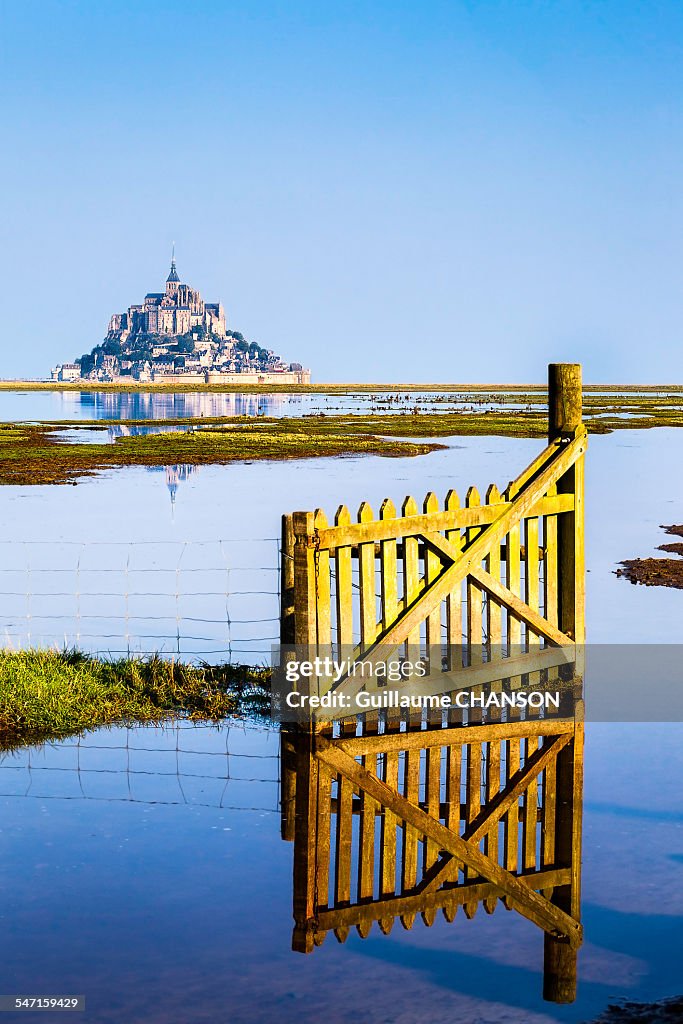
[145, 869]
[117, 405]
[184, 559]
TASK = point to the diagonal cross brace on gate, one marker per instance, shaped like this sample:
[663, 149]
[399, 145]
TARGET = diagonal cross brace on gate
[529, 903]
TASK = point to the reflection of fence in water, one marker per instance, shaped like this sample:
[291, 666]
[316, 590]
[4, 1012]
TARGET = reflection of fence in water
[214, 600]
[234, 767]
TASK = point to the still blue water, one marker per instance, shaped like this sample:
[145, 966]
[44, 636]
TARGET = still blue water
[145, 868]
[99, 405]
[141, 877]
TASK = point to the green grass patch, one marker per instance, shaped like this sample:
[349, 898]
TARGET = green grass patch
[48, 695]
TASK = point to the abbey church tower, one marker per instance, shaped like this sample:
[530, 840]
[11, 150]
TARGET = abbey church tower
[172, 281]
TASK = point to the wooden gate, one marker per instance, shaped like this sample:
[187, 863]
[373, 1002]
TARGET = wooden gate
[394, 814]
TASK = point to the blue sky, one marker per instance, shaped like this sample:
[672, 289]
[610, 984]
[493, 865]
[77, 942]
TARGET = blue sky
[382, 191]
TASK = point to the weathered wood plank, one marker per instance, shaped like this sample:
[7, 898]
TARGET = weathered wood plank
[322, 836]
[304, 879]
[518, 610]
[287, 581]
[454, 635]
[411, 579]
[366, 841]
[342, 873]
[386, 909]
[525, 900]
[432, 567]
[492, 566]
[500, 803]
[475, 651]
[356, 745]
[322, 592]
[344, 586]
[414, 524]
[473, 752]
[530, 809]
[305, 630]
[411, 790]
[366, 583]
[388, 569]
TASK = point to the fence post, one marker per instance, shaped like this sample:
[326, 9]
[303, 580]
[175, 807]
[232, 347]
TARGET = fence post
[305, 629]
[287, 581]
[564, 422]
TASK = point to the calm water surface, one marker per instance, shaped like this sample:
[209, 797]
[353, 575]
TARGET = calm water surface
[99, 405]
[145, 868]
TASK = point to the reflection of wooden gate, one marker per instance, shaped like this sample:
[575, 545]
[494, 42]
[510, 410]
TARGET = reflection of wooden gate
[415, 816]
[391, 824]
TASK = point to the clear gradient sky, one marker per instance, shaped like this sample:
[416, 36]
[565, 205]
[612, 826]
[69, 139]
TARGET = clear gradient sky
[384, 191]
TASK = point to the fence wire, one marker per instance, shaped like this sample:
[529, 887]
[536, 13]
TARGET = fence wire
[213, 600]
[235, 766]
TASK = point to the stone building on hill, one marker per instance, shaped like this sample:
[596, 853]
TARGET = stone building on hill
[175, 335]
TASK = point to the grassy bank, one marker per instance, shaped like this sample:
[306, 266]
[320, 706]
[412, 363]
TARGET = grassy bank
[48, 695]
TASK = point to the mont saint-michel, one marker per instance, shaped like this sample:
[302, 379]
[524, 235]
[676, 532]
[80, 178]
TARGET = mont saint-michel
[176, 335]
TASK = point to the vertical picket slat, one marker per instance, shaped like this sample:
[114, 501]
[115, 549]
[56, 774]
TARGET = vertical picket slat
[530, 811]
[493, 609]
[550, 609]
[344, 589]
[366, 851]
[454, 599]
[411, 578]
[432, 566]
[492, 790]
[366, 583]
[472, 803]
[511, 817]
[323, 835]
[475, 631]
[549, 818]
[453, 806]
[388, 563]
[513, 576]
[322, 585]
[388, 830]
[342, 894]
[531, 580]
[411, 791]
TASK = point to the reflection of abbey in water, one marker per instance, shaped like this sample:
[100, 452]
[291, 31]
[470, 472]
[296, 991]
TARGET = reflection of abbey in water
[134, 405]
[175, 475]
[399, 817]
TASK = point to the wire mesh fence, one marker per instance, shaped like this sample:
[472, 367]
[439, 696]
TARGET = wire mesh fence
[234, 766]
[214, 600]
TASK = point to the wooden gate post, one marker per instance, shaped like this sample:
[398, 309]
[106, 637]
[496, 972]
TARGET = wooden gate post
[287, 581]
[305, 612]
[564, 422]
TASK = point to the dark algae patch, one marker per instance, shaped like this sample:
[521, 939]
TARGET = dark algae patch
[657, 572]
[665, 1011]
[47, 695]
